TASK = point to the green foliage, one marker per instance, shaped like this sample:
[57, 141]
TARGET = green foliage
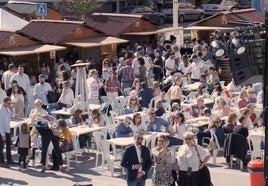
[81, 7]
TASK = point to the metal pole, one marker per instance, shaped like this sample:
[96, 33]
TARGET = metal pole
[175, 13]
[265, 101]
[117, 6]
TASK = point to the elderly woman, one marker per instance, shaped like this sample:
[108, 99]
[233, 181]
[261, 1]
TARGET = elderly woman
[37, 112]
[221, 108]
[162, 174]
[189, 157]
[243, 99]
[93, 85]
[123, 129]
[132, 105]
[196, 110]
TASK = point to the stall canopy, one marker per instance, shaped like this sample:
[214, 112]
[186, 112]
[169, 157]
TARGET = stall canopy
[156, 31]
[208, 28]
[96, 41]
[34, 49]
[9, 21]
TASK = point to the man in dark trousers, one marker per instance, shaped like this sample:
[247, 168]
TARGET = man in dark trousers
[137, 161]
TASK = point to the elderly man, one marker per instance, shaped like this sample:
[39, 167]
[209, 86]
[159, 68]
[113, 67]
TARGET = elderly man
[5, 134]
[156, 124]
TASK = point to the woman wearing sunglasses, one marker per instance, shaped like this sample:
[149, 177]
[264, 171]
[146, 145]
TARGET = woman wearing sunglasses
[162, 175]
[189, 156]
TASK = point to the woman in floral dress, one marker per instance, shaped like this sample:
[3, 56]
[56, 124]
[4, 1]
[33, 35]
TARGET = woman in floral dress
[162, 175]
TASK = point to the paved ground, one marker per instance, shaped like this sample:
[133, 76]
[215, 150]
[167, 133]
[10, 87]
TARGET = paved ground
[87, 173]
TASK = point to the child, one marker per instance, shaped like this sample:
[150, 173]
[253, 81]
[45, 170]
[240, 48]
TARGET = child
[34, 141]
[23, 143]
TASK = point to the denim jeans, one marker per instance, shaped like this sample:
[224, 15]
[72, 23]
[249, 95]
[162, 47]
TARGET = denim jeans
[8, 148]
[56, 106]
[138, 182]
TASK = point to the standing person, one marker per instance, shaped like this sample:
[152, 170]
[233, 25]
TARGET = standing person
[5, 111]
[22, 79]
[196, 69]
[45, 70]
[6, 78]
[18, 101]
[170, 63]
[93, 85]
[157, 66]
[175, 92]
[189, 157]
[24, 144]
[3, 94]
[112, 86]
[126, 75]
[137, 160]
[162, 175]
[41, 89]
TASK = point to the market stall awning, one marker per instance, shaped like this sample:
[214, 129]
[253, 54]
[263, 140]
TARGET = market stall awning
[152, 32]
[96, 41]
[208, 28]
[26, 50]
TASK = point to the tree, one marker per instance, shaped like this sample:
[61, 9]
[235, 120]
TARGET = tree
[81, 7]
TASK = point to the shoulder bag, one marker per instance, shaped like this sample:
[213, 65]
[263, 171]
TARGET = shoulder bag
[204, 174]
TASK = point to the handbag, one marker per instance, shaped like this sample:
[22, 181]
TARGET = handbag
[204, 178]
[65, 146]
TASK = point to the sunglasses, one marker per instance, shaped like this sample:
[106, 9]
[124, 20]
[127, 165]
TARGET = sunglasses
[139, 138]
[188, 138]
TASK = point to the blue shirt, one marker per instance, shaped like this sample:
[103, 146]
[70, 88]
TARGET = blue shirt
[158, 123]
[122, 131]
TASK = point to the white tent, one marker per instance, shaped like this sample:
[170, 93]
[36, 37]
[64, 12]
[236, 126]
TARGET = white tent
[11, 22]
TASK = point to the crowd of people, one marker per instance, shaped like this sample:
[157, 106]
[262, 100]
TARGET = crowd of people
[153, 78]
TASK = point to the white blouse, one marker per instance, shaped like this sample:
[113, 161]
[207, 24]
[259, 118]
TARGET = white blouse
[67, 96]
[188, 157]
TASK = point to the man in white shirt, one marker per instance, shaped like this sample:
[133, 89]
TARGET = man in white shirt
[22, 79]
[41, 90]
[170, 63]
[6, 78]
[196, 69]
[5, 135]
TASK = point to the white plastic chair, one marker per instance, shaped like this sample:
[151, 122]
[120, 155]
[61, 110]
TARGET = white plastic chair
[74, 151]
[127, 91]
[215, 151]
[255, 150]
[111, 157]
[167, 107]
[98, 137]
